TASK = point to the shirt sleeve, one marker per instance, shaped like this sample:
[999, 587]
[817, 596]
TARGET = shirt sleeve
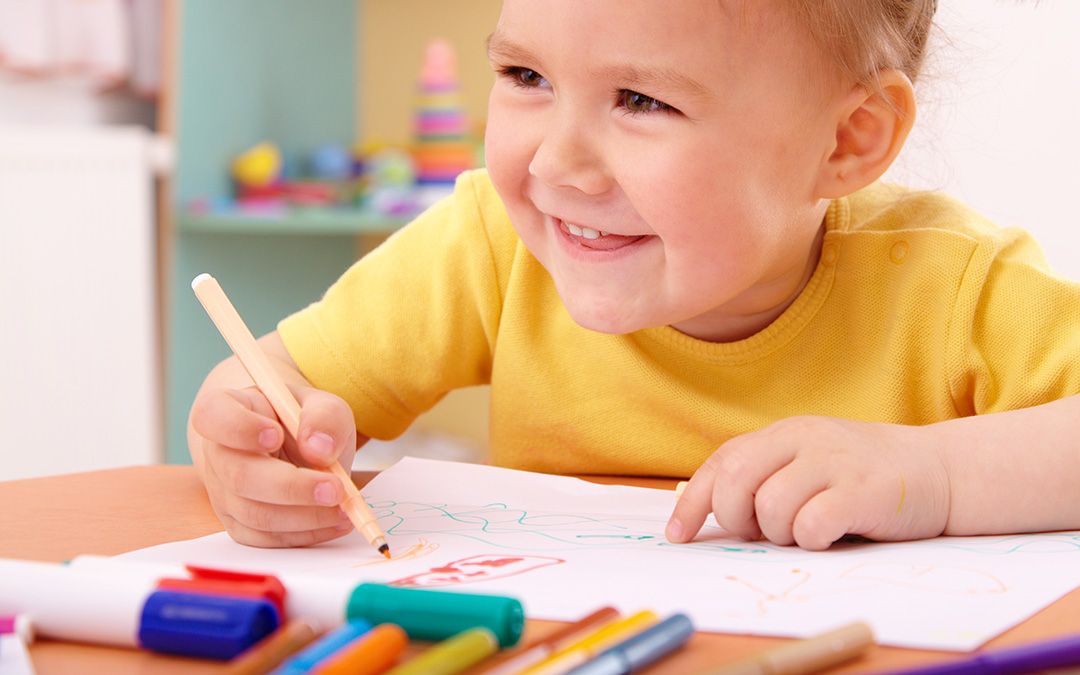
[1016, 328]
[413, 319]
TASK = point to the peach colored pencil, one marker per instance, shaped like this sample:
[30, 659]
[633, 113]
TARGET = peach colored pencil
[258, 366]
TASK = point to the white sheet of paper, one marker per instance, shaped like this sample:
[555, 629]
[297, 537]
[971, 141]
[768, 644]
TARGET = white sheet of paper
[565, 547]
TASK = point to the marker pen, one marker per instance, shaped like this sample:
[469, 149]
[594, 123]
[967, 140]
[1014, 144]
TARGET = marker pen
[16, 633]
[640, 650]
[116, 609]
[326, 602]
[204, 625]
[370, 654]
[270, 383]
[94, 599]
[580, 652]
[453, 655]
[803, 657]
[568, 635]
[18, 625]
[309, 657]
[269, 652]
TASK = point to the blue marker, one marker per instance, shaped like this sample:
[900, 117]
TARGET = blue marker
[640, 650]
[324, 647]
[204, 625]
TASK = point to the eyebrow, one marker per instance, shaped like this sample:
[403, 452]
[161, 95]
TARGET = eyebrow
[648, 77]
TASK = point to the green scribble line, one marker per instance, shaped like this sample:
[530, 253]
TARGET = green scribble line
[616, 536]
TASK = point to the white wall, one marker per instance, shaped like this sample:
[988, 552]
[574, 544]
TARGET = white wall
[68, 101]
[80, 387]
[998, 119]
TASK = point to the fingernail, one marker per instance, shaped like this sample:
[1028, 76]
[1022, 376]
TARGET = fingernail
[268, 438]
[324, 494]
[321, 445]
[674, 530]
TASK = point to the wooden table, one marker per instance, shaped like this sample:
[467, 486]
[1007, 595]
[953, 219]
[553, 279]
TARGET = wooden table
[120, 510]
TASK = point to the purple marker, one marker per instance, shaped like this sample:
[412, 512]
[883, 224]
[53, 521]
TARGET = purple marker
[1028, 658]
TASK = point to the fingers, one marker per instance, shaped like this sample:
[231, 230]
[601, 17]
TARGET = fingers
[237, 418]
[267, 479]
[250, 537]
[811, 480]
[268, 502]
[784, 495]
[303, 536]
[327, 428]
[824, 519]
[726, 485]
[693, 507]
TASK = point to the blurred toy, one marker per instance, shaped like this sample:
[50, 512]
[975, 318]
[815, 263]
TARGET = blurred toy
[389, 181]
[262, 187]
[331, 162]
[258, 168]
[442, 149]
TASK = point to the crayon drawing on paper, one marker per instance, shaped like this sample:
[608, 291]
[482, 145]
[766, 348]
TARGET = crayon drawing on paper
[565, 547]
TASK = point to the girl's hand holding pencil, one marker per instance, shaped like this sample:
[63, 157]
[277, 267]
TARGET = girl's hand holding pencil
[263, 450]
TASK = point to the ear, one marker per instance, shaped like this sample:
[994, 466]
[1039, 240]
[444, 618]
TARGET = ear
[871, 128]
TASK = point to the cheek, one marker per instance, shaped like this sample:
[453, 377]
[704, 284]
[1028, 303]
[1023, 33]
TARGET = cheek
[687, 187]
[506, 145]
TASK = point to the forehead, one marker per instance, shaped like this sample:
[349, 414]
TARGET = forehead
[699, 38]
[642, 26]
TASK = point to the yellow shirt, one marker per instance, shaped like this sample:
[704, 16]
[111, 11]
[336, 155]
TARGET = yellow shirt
[919, 310]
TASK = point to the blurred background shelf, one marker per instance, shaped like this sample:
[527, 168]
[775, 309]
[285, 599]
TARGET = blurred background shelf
[329, 222]
[300, 75]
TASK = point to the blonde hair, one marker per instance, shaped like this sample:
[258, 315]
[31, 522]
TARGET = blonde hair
[863, 37]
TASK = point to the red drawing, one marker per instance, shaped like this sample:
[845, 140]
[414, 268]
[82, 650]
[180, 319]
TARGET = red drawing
[476, 568]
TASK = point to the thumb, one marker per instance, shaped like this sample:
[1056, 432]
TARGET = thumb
[326, 428]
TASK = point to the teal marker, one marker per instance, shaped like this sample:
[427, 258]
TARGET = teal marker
[437, 615]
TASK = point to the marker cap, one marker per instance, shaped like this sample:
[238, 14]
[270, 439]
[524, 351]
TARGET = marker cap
[203, 625]
[228, 582]
[437, 615]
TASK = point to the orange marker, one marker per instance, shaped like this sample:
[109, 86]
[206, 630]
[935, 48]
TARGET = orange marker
[269, 382]
[266, 654]
[371, 654]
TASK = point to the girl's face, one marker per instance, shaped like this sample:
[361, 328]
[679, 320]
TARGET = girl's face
[659, 157]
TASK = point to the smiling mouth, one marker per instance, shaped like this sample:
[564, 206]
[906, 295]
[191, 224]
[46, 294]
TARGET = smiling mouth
[596, 240]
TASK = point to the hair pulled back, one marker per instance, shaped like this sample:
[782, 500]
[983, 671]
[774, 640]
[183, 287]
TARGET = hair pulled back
[863, 37]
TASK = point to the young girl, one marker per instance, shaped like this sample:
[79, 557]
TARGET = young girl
[679, 262]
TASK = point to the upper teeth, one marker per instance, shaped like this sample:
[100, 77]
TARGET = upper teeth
[586, 232]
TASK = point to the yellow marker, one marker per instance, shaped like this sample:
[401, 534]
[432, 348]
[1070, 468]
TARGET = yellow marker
[578, 653]
[452, 655]
[269, 382]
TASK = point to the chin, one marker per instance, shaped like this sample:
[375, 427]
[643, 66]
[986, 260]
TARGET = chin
[603, 323]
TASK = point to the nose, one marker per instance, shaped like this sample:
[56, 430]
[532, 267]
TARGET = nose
[569, 155]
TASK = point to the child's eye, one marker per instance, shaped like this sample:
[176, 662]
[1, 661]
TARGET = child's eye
[525, 77]
[640, 103]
